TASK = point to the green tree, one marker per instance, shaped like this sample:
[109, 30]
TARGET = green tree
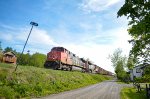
[1, 53]
[8, 49]
[38, 59]
[119, 63]
[115, 57]
[138, 11]
[132, 61]
[24, 59]
[1, 47]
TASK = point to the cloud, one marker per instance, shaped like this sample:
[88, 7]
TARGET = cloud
[38, 40]
[6, 26]
[6, 37]
[41, 37]
[96, 5]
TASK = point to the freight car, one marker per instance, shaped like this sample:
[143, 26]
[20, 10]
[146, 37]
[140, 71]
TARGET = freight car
[61, 58]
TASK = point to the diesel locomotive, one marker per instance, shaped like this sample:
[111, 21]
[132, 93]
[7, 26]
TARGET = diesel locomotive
[63, 59]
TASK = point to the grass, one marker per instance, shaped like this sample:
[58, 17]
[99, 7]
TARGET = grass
[131, 93]
[30, 81]
[121, 82]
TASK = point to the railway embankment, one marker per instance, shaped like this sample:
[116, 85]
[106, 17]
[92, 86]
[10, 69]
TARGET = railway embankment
[29, 81]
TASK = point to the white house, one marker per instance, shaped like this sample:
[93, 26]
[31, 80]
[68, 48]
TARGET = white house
[136, 72]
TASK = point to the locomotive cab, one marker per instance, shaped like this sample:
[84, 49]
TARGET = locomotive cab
[58, 58]
[55, 54]
[60, 49]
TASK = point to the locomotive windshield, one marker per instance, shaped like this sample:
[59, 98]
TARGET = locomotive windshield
[58, 49]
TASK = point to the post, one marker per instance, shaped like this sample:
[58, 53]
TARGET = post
[20, 57]
[147, 91]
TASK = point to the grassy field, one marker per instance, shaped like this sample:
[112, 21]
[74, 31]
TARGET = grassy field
[30, 81]
[131, 93]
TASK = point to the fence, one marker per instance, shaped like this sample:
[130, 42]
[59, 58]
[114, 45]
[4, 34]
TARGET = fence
[148, 91]
[139, 89]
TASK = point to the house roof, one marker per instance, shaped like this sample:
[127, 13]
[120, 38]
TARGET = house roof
[139, 66]
[10, 53]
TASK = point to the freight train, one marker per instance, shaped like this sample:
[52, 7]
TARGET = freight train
[63, 59]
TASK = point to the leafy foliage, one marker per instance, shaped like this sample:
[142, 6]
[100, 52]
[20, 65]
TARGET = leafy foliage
[0, 47]
[9, 49]
[1, 56]
[132, 61]
[146, 77]
[138, 11]
[119, 63]
[24, 59]
[37, 59]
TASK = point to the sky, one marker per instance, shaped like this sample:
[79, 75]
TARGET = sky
[88, 28]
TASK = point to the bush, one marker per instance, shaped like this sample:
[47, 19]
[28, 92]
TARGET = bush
[1, 56]
[7, 92]
[144, 79]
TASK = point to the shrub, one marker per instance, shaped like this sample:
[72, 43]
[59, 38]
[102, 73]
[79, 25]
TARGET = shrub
[144, 79]
[7, 92]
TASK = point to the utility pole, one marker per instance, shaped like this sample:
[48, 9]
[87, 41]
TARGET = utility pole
[20, 57]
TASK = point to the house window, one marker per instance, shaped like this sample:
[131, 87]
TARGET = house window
[138, 70]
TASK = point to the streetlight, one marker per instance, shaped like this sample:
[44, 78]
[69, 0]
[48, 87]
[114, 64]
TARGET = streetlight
[33, 24]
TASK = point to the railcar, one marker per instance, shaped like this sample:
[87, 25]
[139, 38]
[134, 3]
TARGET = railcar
[61, 58]
[96, 69]
[91, 67]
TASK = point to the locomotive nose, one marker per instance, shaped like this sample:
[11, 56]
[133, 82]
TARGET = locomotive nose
[53, 56]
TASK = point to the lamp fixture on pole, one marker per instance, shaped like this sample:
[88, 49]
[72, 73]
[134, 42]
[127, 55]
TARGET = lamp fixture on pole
[33, 24]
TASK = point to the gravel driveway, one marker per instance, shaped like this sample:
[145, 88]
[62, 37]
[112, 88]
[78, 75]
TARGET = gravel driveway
[104, 90]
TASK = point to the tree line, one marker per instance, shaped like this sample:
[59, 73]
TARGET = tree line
[37, 59]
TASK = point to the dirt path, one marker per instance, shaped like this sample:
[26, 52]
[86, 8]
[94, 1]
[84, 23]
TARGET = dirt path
[104, 90]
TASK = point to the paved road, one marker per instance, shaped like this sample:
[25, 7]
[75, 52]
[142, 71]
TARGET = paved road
[104, 90]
